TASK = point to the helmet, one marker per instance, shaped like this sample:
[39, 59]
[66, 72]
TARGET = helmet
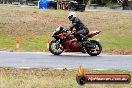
[71, 16]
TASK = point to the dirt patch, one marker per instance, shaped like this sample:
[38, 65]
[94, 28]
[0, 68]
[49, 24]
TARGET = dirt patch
[119, 51]
[37, 71]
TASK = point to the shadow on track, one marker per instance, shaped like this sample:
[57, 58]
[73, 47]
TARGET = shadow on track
[76, 55]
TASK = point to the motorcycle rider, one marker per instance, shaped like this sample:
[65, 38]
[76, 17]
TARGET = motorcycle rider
[80, 27]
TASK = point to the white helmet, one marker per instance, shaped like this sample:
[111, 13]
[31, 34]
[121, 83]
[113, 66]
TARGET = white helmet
[71, 16]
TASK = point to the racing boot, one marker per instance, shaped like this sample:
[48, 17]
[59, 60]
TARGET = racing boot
[85, 41]
[83, 50]
[88, 44]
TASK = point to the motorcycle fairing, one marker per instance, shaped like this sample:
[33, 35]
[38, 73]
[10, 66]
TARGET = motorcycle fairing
[72, 46]
[91, 34]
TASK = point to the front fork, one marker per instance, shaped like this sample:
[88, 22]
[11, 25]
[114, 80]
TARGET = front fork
[58, 43]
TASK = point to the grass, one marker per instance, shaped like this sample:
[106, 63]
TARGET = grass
[31, 44]
[51, 78]
[35, 26]
[115, 41]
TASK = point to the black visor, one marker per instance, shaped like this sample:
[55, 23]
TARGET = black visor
[70, 16]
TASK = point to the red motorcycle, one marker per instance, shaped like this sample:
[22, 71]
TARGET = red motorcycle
[65, 41]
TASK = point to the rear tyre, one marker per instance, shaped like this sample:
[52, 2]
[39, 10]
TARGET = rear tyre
[55, 47]
[95, 49]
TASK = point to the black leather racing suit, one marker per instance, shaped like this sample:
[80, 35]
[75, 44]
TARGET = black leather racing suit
[81, 29]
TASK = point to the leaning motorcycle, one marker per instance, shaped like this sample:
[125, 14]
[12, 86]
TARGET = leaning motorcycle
[65, 41]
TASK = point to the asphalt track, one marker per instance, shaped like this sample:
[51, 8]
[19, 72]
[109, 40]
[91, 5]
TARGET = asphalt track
[66, 60]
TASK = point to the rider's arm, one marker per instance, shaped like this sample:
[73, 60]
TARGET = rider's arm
[75, 23]
[72, 26]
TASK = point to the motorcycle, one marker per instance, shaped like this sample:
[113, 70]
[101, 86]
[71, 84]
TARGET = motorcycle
[65, 41]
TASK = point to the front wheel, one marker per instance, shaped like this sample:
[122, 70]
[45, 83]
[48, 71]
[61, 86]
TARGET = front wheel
[95, 49]
[55, 47]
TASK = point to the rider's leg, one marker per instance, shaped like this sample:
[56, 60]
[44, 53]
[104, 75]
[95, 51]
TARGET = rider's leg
[80, 36]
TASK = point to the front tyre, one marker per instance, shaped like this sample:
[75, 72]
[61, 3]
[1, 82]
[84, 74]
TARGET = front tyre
[95, 49]
[55, 47]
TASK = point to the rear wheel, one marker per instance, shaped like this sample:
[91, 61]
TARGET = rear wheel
[95, 49]
[55, 47]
